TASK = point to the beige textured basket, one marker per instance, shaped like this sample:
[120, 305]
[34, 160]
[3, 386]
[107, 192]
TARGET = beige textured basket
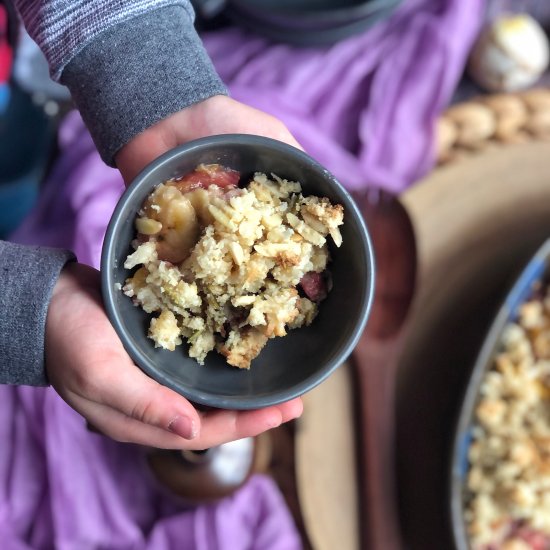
[491, 120]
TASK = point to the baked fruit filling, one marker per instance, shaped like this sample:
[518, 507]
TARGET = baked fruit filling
[226, 267]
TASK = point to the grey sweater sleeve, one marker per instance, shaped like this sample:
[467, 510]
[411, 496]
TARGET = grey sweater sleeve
[137, 73]
[27, 277]
[127, 63]
[62, 28]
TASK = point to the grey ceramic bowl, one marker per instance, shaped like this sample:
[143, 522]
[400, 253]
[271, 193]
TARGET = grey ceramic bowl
[287, 367]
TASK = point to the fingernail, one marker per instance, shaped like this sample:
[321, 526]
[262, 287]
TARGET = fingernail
[274, 421]
[184, 427]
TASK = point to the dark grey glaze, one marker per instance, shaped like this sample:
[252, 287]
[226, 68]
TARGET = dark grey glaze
[286, 367]
[309, 22]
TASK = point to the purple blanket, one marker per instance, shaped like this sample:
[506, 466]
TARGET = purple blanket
[364, 108]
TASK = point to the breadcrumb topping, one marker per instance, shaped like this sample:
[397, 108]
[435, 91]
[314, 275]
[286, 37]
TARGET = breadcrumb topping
[508, 503]
[222, 267]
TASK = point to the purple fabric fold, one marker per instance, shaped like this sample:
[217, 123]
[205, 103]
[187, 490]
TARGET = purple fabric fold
[365, 109]
[65, 488]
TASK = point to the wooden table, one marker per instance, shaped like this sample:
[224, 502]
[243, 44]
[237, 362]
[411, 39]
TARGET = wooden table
[476, 222]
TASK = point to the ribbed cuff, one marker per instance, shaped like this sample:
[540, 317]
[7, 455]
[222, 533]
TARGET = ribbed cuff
[28, 275]
[137, 73]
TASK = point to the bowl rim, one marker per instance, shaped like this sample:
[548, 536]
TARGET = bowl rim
[203, 397]
[533, 270]
[332, 15]
[318, 28]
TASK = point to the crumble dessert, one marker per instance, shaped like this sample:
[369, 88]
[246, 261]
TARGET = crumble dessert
[228, 268]
[508, 505]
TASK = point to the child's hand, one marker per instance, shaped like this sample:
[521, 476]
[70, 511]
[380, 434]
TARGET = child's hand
[216, 115]
[88, 366]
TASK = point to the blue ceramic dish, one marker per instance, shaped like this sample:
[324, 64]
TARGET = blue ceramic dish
[537, 268]
[287, 367]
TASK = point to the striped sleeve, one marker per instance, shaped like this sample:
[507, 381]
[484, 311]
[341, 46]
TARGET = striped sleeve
[127, 63]
[62, 28]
